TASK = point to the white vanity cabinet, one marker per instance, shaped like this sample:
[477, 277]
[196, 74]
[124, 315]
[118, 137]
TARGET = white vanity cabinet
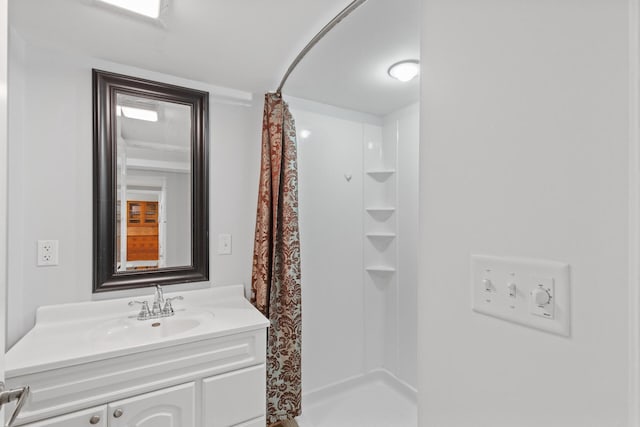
[214, 376]
[227, 380]
[89, 417]
[227, 400]
[174, 406]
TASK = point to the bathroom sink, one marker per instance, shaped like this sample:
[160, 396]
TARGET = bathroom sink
[131, 331]
[79, 333]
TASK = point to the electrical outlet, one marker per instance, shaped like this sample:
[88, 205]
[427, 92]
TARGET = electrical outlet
[47, 252]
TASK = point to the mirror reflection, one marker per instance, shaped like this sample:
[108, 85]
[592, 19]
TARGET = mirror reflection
[153, 207]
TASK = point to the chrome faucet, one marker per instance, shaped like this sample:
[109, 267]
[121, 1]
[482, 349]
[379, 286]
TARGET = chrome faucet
[168, 308]
[158, 302]
[145, 313]
[161, 306]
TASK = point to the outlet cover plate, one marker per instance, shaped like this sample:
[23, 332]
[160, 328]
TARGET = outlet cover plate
[47, 252]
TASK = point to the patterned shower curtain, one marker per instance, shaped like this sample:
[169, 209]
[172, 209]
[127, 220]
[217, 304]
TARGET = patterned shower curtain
[276, 260]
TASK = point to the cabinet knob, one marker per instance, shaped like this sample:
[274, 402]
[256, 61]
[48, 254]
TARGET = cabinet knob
[94, 420]
[118, 413]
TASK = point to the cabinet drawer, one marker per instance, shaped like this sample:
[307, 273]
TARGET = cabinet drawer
[142, 248]
[234, 398]
[76, 419]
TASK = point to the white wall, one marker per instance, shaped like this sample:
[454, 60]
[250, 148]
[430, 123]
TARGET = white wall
[331, 248]
[523, 152]
[178, 243]
[4, 104]
[404, 362]
[50, 194]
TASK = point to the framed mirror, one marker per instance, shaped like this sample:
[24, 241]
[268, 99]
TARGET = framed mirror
[150, 194]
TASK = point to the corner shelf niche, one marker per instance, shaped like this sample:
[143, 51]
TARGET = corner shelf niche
[380, 210]
[381, 235]
[381, 175]
[380, 269]
[380, 215]
[373, 172]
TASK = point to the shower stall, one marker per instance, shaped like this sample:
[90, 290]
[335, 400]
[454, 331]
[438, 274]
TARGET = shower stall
[358, 214]
[358, 224]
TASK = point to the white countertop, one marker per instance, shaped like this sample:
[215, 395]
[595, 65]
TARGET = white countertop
[71, 334]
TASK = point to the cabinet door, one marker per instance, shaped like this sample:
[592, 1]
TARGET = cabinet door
[234, 398]
[151, 213]
[170, 407]
[94, 417]
[134, 213]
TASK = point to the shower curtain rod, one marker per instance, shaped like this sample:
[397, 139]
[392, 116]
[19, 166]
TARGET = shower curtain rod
[335, 21]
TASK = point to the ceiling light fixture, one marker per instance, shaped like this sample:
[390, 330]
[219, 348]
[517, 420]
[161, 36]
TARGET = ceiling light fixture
[138, 113]
[148, 8]
[405, 70]
[305, 133]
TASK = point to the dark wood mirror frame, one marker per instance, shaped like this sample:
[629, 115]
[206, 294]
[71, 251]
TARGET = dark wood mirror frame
[105, 88]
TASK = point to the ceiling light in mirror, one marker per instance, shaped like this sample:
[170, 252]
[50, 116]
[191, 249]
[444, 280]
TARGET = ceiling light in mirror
[405, 70]
[138, 113]
[148, 8]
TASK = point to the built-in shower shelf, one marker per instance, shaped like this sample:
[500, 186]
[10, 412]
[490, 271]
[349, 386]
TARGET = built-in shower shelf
[381, 174]
[381, 235]
[380, 269]
[381, 210]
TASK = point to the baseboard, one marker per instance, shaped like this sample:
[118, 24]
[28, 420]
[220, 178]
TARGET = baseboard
[401, 386]
[312, 397]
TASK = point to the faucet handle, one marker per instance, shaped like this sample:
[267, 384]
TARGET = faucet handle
[168, 308]
[145, 313]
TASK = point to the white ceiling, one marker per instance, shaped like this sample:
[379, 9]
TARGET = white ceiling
[348, 68]
[168, 139]
[245, 44]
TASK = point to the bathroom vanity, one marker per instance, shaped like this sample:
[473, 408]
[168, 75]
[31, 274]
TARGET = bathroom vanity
[96, 364]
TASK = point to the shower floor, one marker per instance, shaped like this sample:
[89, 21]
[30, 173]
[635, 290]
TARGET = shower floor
[374, 401]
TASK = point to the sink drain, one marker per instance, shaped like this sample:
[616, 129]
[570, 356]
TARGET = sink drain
[155, 325]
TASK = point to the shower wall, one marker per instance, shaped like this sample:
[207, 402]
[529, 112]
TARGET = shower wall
[356, 321]
[331, 248]
[404, 125]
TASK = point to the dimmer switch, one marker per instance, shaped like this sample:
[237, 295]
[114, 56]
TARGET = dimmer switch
[530, 292]
[542, 298]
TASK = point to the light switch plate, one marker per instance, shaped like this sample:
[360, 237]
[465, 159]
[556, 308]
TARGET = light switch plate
[529, 276]
[224, 244]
